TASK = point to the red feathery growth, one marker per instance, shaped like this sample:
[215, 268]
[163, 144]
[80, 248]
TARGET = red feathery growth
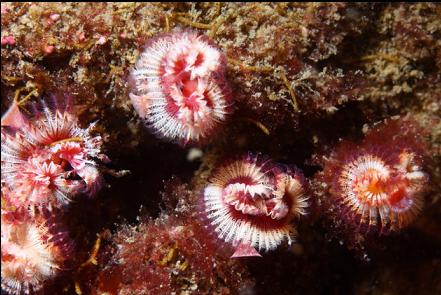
[172, 254]
[378, 185]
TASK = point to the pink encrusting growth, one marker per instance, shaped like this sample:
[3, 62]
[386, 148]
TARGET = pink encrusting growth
[378, 185]
[49, 159]
[178, 87]
[33, 251]
[250, 202]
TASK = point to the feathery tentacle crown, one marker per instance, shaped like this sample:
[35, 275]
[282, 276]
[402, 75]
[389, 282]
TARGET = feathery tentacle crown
[49, 159]
[380, 183]
[178, 87]
[251, 201]
[34, 251]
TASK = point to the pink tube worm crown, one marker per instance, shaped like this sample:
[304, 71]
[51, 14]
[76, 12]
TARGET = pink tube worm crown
[380, 183]
[251, 203]
[178, 87]
[49, 159]
[34, 251]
